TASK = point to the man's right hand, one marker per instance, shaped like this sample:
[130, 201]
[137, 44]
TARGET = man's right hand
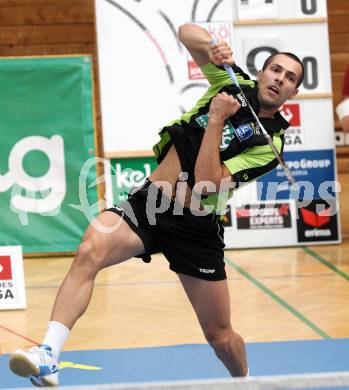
[222, 107]
[220, 53]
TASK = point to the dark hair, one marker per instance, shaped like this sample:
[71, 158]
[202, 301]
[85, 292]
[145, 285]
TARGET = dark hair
[290, 55]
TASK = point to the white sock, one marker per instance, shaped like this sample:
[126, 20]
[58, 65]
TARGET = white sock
[55, 337]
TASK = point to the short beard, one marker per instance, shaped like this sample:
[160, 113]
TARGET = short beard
[267, 106]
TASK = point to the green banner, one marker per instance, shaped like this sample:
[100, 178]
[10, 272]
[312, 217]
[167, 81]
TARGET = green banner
[47, 134]
[129, 173]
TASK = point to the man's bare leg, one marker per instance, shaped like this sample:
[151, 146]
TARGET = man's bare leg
[97, 251]
[210, 300]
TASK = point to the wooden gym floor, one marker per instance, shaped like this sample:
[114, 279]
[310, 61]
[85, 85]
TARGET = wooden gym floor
[279, 294]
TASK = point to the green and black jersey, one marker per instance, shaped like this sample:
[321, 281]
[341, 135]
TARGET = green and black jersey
[243, 150]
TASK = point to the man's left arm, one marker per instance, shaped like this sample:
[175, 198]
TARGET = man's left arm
[208, 167]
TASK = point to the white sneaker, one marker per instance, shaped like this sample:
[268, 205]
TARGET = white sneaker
[38, 364]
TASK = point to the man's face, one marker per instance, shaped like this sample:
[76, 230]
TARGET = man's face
[278, 81]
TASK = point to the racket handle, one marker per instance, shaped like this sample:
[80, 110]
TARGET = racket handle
[227, 67]
[231, 74]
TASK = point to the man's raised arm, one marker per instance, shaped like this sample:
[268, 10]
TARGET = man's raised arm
[198, 42]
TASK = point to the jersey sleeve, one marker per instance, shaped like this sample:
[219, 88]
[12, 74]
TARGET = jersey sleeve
[218, 77]
[254, 162]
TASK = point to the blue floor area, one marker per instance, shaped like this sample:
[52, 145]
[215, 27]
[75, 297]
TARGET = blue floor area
[185, 362]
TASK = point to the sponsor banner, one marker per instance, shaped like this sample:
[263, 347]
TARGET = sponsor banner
[313, 170]
[43, 151]
[127, 174]
[12, 288]
[280, 9]
[317, 221]
[258, 225]
[263, 216]
[294, 135]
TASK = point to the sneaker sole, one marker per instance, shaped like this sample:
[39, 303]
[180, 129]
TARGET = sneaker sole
[43, 382]
[35, 383]
[22, 366]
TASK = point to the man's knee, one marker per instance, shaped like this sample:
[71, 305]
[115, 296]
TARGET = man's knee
[219, 337]
[89, 255]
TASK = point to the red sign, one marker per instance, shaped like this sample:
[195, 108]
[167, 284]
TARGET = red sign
[291, 113]
[5, 268]
[194, 71]
[311, 218]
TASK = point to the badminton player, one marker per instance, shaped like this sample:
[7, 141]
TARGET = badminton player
[203, 157]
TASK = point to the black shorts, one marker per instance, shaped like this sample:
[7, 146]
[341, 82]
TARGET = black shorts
[193, 245]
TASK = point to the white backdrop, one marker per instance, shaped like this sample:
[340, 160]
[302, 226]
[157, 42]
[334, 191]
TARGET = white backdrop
[143, 68]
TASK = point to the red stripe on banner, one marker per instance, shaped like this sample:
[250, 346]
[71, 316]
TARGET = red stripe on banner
[156, 43]
[19, 335]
